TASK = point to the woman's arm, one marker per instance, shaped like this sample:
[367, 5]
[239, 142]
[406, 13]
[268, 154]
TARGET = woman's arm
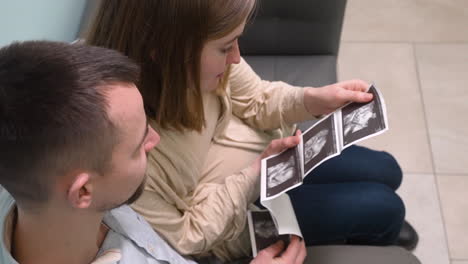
[263, 104]
[270, 105]
[196, 222]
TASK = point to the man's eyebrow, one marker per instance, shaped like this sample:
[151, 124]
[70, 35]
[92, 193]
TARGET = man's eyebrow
[143, 138]
[236, 37]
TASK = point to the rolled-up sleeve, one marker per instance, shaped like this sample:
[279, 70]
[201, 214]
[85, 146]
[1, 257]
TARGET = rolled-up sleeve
[263, 104]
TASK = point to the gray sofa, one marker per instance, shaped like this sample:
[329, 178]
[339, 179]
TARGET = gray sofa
[297, 41]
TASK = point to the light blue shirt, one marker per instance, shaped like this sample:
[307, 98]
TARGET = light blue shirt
[128, 232]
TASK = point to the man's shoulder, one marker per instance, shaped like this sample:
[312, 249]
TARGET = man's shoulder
[132, 227]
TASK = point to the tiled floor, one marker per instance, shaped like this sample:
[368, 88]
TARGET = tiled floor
[416, 52]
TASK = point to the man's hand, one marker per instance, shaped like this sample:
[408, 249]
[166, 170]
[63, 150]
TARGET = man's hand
[276, 146]
[326, 99]
[294, 254]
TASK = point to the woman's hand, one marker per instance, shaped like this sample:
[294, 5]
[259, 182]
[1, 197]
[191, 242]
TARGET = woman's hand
[326, 99]
[276, 146]
[294, 254]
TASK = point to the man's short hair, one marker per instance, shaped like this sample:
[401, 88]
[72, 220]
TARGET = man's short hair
[53, 113]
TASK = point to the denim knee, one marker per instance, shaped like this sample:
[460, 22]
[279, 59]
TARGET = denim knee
[384, 210]
[392, 174]
[358, 164]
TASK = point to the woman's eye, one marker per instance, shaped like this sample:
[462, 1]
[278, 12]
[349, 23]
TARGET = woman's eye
[226, 50]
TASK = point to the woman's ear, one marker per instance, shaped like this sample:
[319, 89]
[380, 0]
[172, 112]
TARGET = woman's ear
[81, 191]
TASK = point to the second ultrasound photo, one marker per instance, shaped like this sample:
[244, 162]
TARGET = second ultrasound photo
[283, 172]
[320, 143]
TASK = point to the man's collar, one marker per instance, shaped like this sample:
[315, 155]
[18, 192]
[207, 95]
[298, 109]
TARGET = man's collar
[128, 223]
[9, 226]
[7, 207]
[125, 222]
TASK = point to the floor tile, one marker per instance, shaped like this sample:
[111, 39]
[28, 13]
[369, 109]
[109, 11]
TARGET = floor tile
[419, 193]
[393, 70]
[406, 20]
[454, 198]
[444, 82]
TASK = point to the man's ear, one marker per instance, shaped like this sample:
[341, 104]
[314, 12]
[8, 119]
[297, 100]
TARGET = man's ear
[80, 191]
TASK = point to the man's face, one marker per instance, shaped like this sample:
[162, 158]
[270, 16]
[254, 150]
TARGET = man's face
[124, 181]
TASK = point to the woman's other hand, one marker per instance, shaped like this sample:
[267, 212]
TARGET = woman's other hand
[326, 99]
[294, 254]
[276, 146]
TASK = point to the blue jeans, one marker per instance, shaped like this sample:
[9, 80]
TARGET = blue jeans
[351, 199]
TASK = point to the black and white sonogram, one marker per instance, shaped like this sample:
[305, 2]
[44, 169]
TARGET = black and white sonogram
[282, 172]
[265, 231]
[319, 143]
[361, 120]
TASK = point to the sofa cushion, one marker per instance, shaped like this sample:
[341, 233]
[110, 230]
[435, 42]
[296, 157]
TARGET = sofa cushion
[295, 70]
[294, 27]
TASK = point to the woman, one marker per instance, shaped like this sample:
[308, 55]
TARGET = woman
[215, 116]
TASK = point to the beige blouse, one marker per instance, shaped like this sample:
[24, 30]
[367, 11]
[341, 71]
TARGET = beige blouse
[200, 185]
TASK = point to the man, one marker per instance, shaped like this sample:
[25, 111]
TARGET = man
[73, 141]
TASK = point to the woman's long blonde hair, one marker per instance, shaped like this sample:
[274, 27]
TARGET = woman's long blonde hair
[166, 38]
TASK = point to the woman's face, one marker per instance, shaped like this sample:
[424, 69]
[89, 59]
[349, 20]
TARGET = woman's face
[216, 56]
